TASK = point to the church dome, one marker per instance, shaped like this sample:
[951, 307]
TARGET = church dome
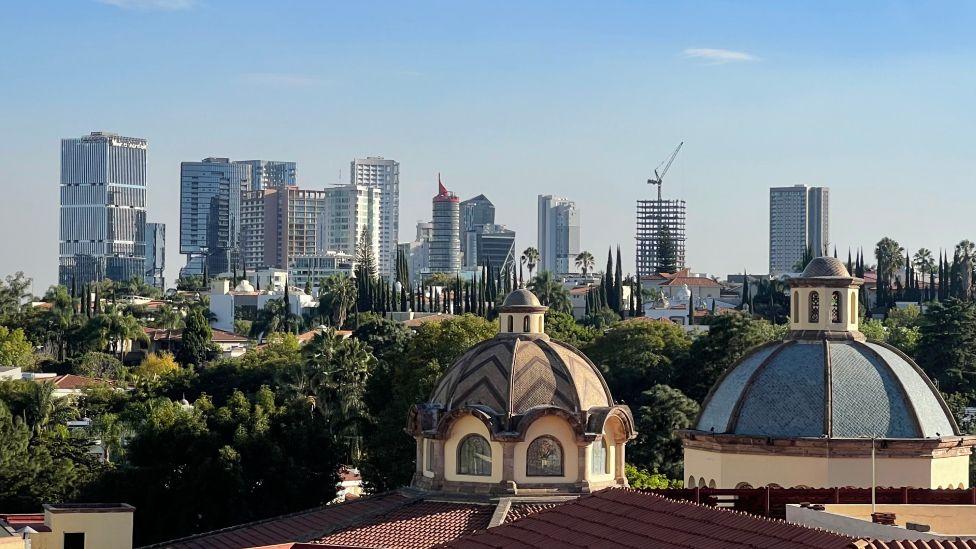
[521, 298]
[511, 375]
[834, 389]
[825, 266]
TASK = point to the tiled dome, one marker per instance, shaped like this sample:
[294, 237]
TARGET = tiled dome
[837, 389]
[512, 375]
[825, 267]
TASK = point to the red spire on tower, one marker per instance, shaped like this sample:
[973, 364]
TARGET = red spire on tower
[441, 189]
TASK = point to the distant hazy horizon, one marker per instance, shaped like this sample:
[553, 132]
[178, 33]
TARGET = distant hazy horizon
[873, 100]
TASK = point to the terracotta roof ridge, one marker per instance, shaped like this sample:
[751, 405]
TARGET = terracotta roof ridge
[408, 499]
[728, 510]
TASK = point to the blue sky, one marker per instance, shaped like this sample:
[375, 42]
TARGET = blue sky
[513, 99]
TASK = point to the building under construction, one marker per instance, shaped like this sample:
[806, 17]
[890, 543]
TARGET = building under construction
[658, 220]
[655, 218]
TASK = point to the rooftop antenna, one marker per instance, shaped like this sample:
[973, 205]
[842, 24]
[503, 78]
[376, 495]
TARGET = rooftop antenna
[659, 177]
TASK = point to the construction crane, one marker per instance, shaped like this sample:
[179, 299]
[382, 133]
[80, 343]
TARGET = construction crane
[659, 177]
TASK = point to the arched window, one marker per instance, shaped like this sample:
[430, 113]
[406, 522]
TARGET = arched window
[511, 323]
[796, 307]
[525, 324]
[701, 482]
[711, 483]
[474, 456]
[814, 316]
[544, 458]
[599, 465]
[428, 454]
[853, 310]
[691, 482]
[835, 307]
[743, 486]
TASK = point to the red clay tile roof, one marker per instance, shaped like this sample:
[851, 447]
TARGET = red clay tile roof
[20, 520]
[621, 517]
[296, 527]
[71, 381]
[220, 336]
[699, 281]
[416, 525]
[919, 544]
[521, 510]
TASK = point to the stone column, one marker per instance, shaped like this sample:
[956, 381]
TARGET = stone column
[508, 484]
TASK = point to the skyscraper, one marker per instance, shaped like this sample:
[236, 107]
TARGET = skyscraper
[270, 173]
[210, 213]
[799, 220]
[474, 212]
[660, 230]
[103, 208]
[489, 244]
[156, 255]
[559, 234]
[374, 171]
[349, 211]
[279, 224]
[445, 243]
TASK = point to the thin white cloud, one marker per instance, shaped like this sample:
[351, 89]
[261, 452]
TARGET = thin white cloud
[160, 5]
[281, 79]
[718, 56]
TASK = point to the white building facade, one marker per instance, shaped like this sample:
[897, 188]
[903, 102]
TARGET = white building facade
[559, 234]
[799, 219]
[383, 174]
[349, 210]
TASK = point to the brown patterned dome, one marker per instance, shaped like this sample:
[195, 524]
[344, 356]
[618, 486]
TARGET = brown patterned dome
[511, 375]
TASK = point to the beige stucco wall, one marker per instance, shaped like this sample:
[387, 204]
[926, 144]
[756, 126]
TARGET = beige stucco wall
[728, 470]
[942, 519]
[11, 543]
[102, 530]
[848, 296]
[537, 323]
[951, 472]
[555, 427]
[461, 428]
[611, 460]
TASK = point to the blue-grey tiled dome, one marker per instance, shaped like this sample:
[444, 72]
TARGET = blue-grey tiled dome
[839, 389]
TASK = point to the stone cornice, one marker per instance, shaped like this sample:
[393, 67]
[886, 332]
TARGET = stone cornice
[828, 447]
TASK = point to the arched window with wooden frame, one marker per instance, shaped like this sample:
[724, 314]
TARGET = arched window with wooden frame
[835, 307]
[814, 314]
[511, 323]
[526, 327]
[544, 458]
[474, 456]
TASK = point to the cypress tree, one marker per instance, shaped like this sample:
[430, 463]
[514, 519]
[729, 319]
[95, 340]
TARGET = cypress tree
[691, 307]
[850, 265]
[640, 297]
[618, 285]
[608, 280]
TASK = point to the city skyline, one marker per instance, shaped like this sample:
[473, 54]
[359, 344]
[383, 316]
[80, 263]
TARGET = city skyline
[575, 109]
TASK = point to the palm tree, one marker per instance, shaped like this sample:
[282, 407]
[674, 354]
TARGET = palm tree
[891, 258]
[924, 261]
[337, 295]
[585, 261]
[168, 317]
[272, 318]
[115, 329]
[551, 292]
[967, 253]
[530, 258]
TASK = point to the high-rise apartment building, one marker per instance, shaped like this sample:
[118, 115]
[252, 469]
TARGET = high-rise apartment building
[445, 242]
[156, 255]
[559, 234]
[418, 251]
[799, 219]
[350, 211]
[660, 233]
[270, 173]
[210, 213]
[384, 174]
[489, 244]
[103, 208]
[279, 224]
